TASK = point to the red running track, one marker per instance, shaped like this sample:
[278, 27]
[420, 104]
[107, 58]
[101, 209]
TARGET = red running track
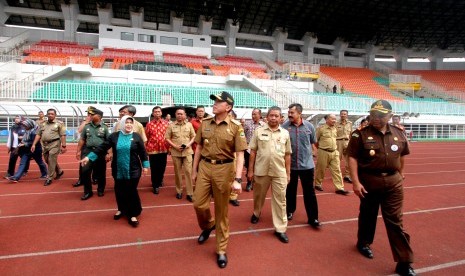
[50, 231]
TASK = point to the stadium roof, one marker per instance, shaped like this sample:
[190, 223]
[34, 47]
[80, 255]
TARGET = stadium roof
[417, 24]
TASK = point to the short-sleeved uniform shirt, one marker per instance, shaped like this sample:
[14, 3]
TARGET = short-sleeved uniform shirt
[343, 129]
[221, 141]
[180, 133]
[50, 131]
[326, 137]
[377, 152]
[94, 135]
[302, 138]
[271, 148]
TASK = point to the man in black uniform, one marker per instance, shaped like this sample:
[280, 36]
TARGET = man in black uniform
[376, 158]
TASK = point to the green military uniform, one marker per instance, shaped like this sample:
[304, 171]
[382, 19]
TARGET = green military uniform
[344, 129]
[216, 172]
[328, 156]
[93, 136]
[181, 133]
[271, 147]
[50, 136]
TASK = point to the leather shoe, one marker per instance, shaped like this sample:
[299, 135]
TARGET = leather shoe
[342, 192]
[222, 260]
[347, 179]
[282, 237]
[118, 215]
[319, 188]
[315, 223]
[189, 198]
[178, 196]
[87, 196]
[77, 184]
[100, 194]
[205, 235]
[59, 175]
[365, 250]
[156, 190]
[254, 219]
[404, 269]
[290, 216]
[48, 182]
[234, 202]
[248, 187]
[133, 223]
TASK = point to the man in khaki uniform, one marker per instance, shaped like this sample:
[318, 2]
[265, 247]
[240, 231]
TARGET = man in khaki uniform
[214, 171]
[137, 126]
[344, 129]
[328, 156]
[270, 163]
[52, 135]
[180, 135]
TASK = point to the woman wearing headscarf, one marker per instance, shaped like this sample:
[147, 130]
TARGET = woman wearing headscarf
[129, 160]
[24, 151]
[14, 138]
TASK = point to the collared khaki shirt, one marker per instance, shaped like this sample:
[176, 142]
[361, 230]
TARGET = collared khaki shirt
[271, 148]
[50, 131]
[221, 141]
[343, 130]
[326, 137]
[180, 133]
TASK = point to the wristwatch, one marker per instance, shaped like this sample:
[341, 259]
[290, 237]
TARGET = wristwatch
[238, 179]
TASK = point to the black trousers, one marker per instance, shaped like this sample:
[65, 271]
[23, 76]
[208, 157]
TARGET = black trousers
[157, 168]
[310, 202]
[127, 197]
[93, 169]
[387, 192]
[246, 163]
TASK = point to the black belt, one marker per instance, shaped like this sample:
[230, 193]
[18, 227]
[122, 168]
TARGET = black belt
[225, 161]
[377, 173]
[345, 139]
[328, 150]
[51, 141]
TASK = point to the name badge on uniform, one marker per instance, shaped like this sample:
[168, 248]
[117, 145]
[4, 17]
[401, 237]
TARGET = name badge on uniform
[394, 148]
[370, 138]
[395, 139]
[372, 152]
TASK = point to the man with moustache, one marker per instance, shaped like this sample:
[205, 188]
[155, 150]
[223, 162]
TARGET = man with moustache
[377, 154]
[270, 164]
[303, 138]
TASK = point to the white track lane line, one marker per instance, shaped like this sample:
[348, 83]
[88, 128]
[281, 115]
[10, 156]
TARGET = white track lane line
[140, 243]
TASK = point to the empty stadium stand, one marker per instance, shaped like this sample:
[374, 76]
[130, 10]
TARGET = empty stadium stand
[360, 81]
[141, 94]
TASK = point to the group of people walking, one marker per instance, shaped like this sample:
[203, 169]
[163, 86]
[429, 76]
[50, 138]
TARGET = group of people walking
[211, 153]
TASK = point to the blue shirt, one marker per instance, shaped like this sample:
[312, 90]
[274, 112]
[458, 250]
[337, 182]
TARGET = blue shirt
[302, 138]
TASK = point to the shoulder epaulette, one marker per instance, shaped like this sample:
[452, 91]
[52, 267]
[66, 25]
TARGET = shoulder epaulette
[236, 122]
